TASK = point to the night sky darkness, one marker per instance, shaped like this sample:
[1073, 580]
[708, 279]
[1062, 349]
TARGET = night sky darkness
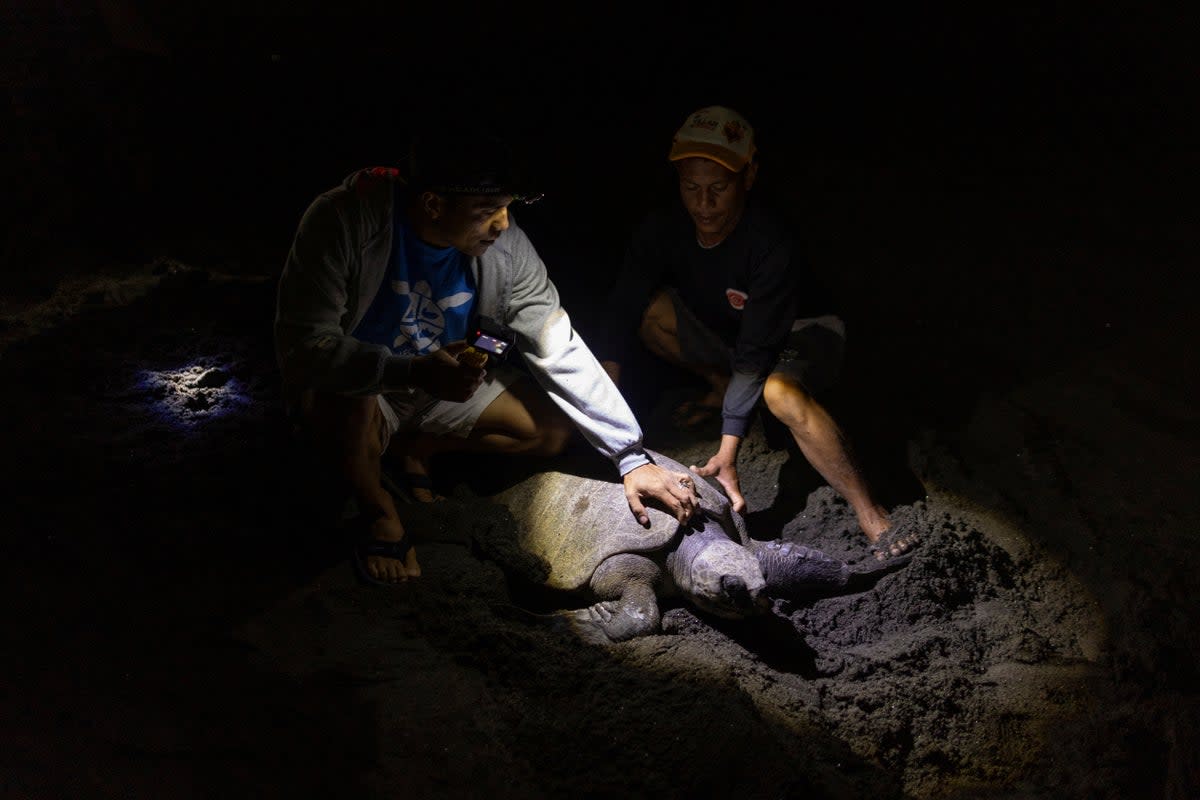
[142, 123]
[254, 107]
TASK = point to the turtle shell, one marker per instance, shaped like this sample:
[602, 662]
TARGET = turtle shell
[574, 521]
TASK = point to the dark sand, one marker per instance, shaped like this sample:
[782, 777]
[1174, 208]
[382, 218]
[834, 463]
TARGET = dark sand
[185, 623]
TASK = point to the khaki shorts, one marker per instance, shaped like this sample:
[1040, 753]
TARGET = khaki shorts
[414, 410]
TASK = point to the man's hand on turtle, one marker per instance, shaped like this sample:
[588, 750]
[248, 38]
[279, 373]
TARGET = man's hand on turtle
[675, 491]
[723, 467]
[444, 376]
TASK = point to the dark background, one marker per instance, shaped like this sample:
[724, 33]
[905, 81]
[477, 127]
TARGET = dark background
[207, 115]
[919, 148]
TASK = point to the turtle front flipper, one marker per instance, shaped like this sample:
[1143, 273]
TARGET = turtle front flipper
[793, 570]
[613, 620]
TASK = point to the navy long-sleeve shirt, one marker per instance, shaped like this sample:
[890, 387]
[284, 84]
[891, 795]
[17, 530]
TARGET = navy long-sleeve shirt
[748, 289]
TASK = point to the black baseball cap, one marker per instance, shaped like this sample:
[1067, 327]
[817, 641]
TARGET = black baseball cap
[455, 162]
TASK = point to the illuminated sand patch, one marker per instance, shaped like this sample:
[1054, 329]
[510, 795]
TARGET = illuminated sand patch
[203, 391]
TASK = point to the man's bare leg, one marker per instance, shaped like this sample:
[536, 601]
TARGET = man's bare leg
[816, 433]
[522, 420]
[828, 450]
[660, 333]
[349, 433]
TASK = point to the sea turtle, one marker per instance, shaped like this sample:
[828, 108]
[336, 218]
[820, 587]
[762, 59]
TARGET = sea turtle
[574, 532]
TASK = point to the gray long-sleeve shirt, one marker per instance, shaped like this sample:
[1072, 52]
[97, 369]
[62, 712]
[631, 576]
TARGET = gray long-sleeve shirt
[338, 261]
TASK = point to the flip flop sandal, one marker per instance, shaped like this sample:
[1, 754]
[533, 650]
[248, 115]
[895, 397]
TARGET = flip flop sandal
[378, 547]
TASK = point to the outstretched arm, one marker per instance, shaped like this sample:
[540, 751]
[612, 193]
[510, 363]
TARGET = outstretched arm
[568, 370]
[723, 467]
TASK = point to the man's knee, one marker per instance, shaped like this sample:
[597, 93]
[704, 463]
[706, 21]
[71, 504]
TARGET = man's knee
[554, 432]
[788, 401]
[525, 420]
[658, 320]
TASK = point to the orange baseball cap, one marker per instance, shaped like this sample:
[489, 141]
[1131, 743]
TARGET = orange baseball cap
[717, 133]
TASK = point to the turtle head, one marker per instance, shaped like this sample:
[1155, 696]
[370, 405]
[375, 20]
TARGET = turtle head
[737, 595]
[726, 581]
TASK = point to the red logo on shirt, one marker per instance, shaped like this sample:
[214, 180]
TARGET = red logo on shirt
[737, 299]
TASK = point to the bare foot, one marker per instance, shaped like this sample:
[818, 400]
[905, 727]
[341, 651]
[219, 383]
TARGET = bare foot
[899, 538]
[873, 519]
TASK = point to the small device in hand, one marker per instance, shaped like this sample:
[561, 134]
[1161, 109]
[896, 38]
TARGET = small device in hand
[486, 340]
[490, 343]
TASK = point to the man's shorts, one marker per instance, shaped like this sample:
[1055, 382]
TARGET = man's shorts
[812, 356]
[413, 410]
